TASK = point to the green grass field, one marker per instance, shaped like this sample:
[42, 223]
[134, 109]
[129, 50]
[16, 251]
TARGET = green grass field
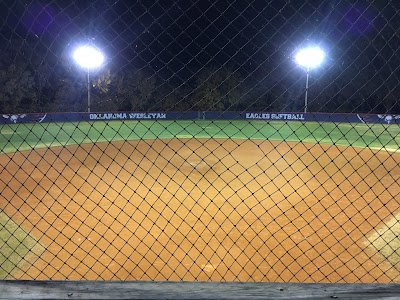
[386, 241]
[17, 247]
[20, 137]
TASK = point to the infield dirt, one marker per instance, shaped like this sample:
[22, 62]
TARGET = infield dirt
[193, 209]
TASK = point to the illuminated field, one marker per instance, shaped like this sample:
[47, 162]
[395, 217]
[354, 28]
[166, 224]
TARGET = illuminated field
[198, 200]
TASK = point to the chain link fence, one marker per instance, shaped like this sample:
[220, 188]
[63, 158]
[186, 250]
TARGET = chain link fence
[192, 141]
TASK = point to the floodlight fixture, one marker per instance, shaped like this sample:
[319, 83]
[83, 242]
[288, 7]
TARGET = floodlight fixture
[309, 58]
[88, 57]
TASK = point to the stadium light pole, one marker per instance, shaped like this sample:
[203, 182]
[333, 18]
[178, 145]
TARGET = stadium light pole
[309, 58]
[88, 57]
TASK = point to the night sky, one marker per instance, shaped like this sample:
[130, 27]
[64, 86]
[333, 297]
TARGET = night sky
[177, 39]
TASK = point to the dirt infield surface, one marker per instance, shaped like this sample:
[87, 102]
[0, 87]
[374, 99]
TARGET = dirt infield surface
[207, 209]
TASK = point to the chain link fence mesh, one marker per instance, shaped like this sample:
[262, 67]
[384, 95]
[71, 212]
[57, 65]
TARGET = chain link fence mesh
[200, 150]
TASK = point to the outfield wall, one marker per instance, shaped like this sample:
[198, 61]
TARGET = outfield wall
[199, 115]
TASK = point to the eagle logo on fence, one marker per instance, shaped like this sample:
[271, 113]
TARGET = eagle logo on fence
[40, 120]
[14, 118]
[388, 118]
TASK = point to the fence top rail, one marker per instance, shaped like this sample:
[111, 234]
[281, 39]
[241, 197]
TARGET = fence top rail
[17, 289]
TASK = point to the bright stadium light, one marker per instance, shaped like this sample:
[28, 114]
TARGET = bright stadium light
[309, 58]
[88, 57]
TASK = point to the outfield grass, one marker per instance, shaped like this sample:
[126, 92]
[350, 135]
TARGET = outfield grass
[19, 137]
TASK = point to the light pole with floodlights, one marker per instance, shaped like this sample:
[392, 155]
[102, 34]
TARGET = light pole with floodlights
[309, 58]
[89, 58]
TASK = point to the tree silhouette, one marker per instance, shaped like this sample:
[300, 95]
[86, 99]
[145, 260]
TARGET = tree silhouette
[217, 89]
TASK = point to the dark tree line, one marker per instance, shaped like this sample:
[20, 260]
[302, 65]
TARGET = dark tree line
[30, 83]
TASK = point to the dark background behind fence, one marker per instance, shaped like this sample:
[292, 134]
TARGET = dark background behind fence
[210, 158]
[200, 55]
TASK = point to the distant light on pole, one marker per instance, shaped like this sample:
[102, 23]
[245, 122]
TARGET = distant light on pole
[309, 58]
[88, 57]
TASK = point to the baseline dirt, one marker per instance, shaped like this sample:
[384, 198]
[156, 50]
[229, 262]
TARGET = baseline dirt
[207, 209]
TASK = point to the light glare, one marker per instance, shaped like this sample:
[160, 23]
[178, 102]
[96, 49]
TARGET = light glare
[310, 57]
[88, 57]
